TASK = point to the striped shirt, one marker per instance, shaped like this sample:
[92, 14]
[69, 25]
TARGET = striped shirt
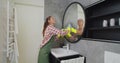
[49, 32]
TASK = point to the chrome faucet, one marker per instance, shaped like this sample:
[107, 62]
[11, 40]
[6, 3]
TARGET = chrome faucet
[67, 46]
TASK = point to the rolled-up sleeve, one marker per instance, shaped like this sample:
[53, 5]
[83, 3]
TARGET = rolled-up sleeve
[56, 31]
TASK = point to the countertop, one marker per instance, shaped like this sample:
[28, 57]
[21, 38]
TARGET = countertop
[61, 52]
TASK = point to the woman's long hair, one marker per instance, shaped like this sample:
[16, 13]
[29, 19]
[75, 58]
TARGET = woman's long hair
[46, 23]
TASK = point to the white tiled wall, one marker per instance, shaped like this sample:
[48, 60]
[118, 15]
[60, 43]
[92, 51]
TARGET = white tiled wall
[30, 17]
[3, 30]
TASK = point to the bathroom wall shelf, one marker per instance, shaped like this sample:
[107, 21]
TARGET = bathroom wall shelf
[105, 14]
[106, 28]
[94, 22]
[108, 8]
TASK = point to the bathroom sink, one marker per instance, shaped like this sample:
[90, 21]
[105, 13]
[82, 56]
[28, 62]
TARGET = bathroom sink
[61, 52]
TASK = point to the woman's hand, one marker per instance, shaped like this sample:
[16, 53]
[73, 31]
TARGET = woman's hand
[56, 38]
[67, 31]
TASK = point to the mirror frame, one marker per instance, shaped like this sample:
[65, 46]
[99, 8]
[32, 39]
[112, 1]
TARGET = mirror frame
[64, 18]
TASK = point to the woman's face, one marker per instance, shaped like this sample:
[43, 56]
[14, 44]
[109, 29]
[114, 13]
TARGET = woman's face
[80, 22]
[52, 20]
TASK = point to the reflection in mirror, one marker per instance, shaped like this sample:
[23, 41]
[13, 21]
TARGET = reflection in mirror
[74, 19]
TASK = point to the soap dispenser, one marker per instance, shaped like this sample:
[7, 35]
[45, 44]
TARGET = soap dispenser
[105, 23]
[119, 20]
[112, 22]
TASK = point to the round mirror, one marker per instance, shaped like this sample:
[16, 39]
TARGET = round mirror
[74, 19]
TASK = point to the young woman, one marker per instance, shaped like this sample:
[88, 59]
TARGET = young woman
[49, 34]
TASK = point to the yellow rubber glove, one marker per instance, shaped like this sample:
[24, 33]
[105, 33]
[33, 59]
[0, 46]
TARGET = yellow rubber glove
[68, 34]
[70, 30]
[58, 36]
[73, 30]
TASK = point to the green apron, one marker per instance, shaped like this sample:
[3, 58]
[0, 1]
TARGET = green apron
[45, 51]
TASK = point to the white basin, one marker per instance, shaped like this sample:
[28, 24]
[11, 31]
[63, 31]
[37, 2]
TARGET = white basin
[61, 52]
